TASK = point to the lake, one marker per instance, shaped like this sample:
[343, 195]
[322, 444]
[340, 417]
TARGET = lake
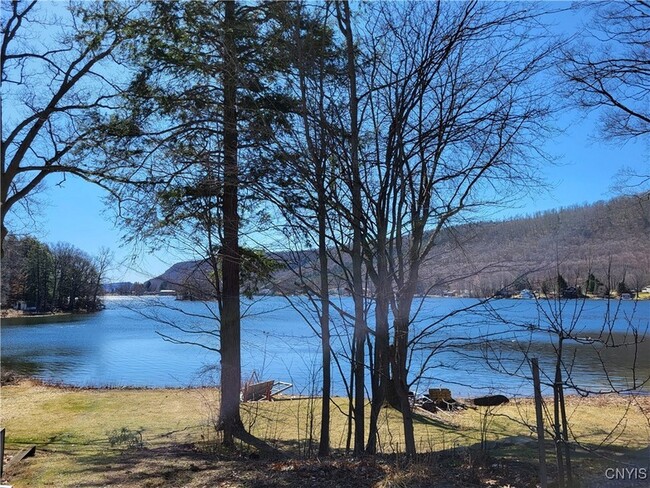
[134, 342]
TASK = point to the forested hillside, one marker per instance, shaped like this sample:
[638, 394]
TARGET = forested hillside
[607, 239]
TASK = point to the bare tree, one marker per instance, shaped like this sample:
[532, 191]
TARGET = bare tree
[443, 131]
[55, 85]
[353, 180]
[449, 125]
[312, 79]
[609, 71]
[559, 327]
[610, 68]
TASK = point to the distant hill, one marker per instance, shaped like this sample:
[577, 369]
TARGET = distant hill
[606, 238]
[609, 238]
[179, 277]
[121, 287]
[188, 276]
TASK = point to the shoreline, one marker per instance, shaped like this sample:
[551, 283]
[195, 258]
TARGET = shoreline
[10, 313]
[12, 378]
[39, 319]
[639, 298]
[16, 317]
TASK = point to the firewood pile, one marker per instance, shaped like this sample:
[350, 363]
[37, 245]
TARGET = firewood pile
[439, 399]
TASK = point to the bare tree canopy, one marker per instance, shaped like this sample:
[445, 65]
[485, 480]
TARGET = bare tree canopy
[611, 68]
[56, 81]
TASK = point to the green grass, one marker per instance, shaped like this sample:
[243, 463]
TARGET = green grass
[73, 428]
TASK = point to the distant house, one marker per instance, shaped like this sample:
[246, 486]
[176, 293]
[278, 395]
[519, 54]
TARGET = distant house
[167, 293]
[646, 289]
[24, 307]
[503, 294]
[527, 294]
[571, 292]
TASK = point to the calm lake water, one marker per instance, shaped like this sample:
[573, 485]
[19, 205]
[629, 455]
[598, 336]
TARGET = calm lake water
[124, 344]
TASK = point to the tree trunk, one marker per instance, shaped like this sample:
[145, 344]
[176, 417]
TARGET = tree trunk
[229, 419]
[400, 383]
[357, 216]
[380, 375]
[557, 424]
[565, 430]
[348, 439]
[539, 417]
[318, 156]
[4, 231]
[565, 437]
[324, 444]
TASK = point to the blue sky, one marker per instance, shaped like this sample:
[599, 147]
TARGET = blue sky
[585, 166]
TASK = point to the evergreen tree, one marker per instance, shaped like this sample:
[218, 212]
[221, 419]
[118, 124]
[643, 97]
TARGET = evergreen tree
[592, 284]
[39, 273]
[562, 285]
[206, 105]
[622, 288]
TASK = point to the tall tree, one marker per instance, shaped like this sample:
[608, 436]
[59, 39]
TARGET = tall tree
[205, 98]
[302, 188]
[313, 42]
[230, 319]
[450, 120]
[353, 180]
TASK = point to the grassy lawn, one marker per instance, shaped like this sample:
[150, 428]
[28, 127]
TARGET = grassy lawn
[167, 438]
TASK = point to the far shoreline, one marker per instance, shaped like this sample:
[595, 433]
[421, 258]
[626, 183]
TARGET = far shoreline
[12, 313]
[20, 318]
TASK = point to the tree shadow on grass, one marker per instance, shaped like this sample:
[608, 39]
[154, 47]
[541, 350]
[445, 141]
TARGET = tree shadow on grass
[185, 465]
[614, 466]
[511, 461]
[435, 422]
[174, 465]
[594, 466]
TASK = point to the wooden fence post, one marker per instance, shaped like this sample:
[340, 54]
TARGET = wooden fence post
[540, 423]
[2, 451]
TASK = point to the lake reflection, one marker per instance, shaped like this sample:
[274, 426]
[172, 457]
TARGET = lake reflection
[122, 346]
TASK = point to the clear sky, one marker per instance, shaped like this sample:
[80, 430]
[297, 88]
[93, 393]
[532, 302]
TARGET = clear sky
[585, 166]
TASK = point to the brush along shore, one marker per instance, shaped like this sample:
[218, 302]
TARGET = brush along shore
[166, 437]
